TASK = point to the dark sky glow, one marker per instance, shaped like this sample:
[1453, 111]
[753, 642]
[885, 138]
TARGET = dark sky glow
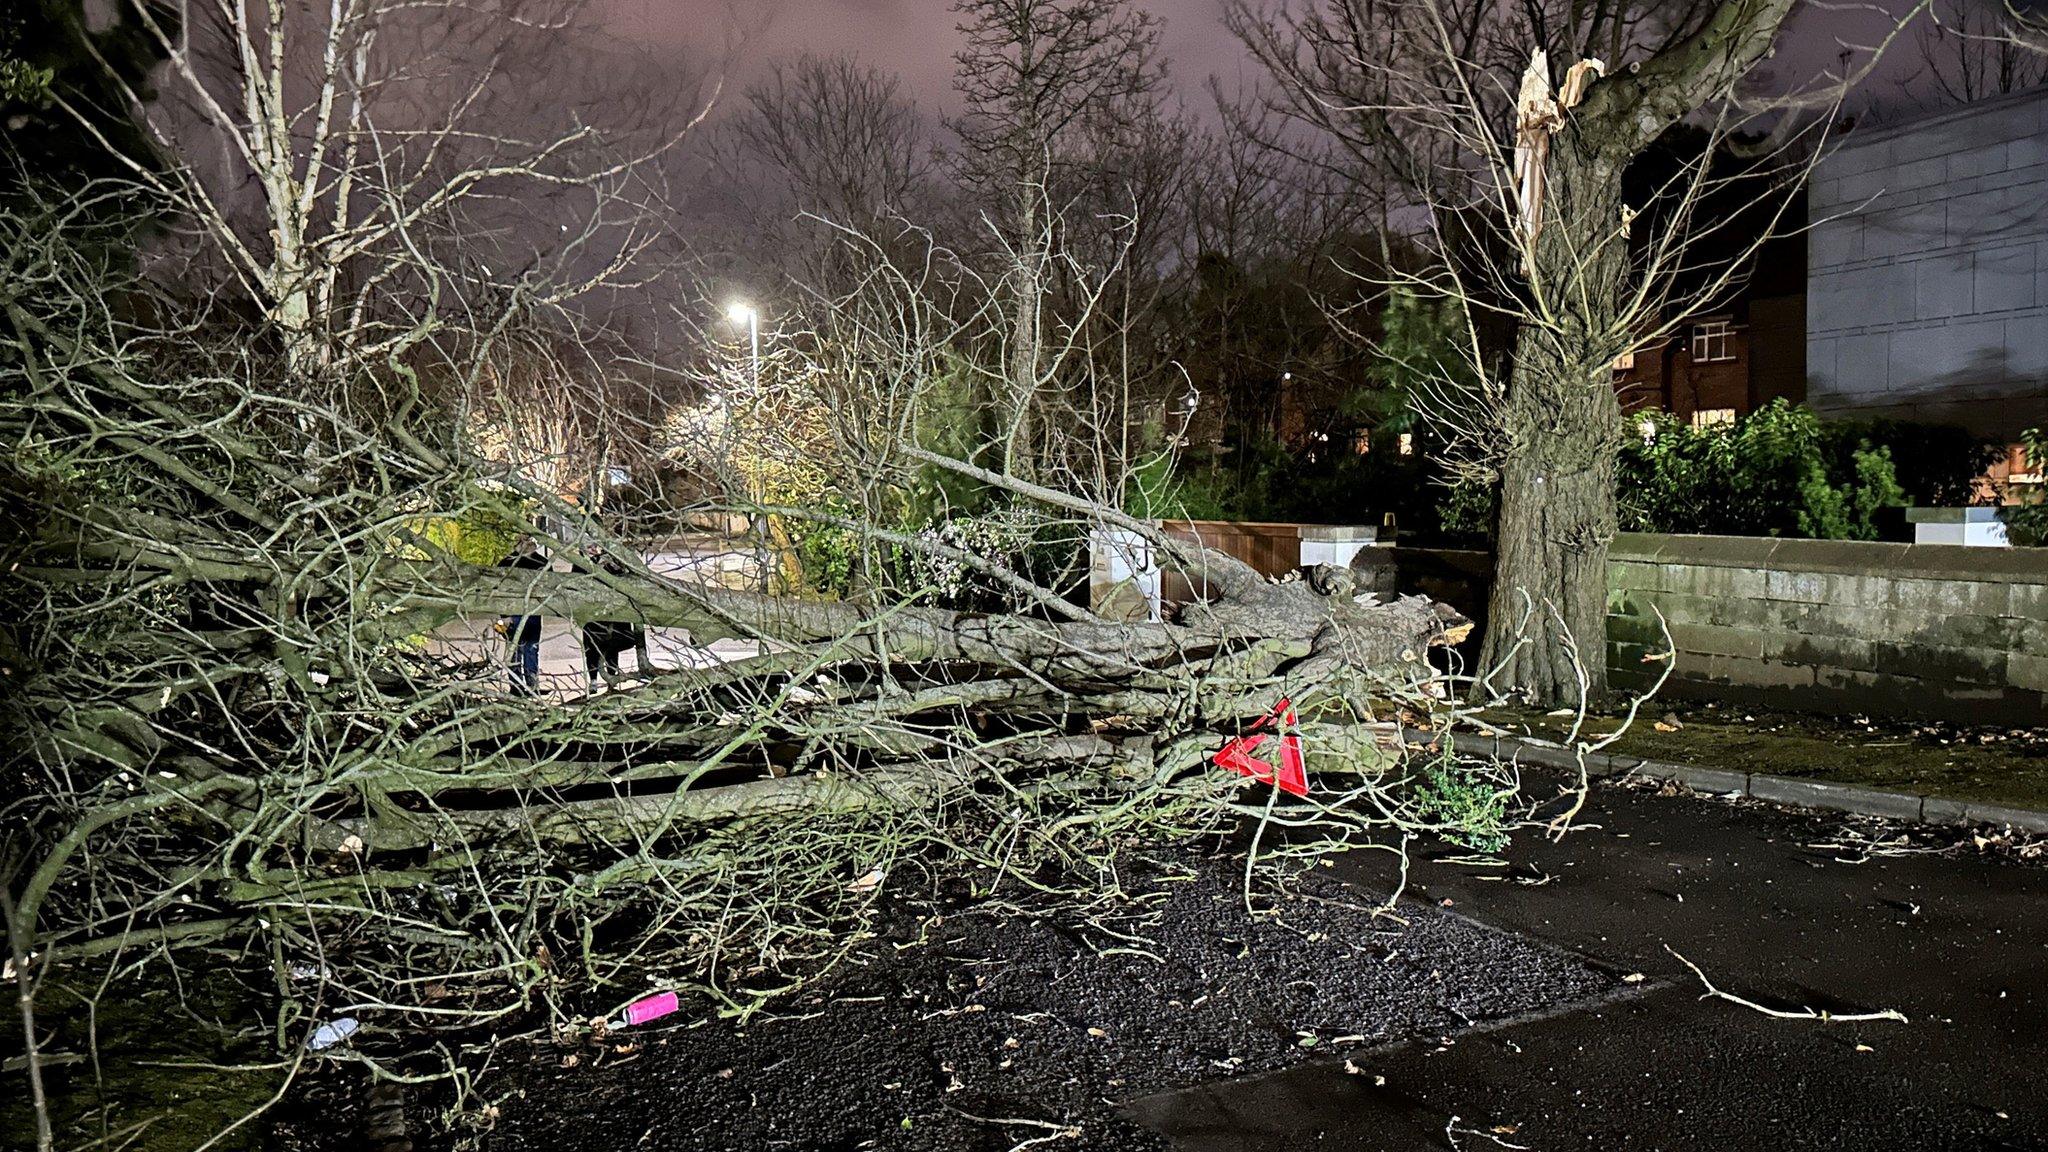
[913, 38]
[916, 39]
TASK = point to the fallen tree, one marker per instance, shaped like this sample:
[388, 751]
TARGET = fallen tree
[245, 757]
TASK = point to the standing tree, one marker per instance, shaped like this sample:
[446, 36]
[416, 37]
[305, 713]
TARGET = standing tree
[1522, 179]
[1968, 51]
[822, 147]
[345, 190]
[1053, 89]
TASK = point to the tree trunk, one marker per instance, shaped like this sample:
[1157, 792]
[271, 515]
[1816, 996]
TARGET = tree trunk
[1020, 454]
[1547, 618]
[1546, 630]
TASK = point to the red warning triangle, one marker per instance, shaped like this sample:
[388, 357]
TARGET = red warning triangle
[1292, 775]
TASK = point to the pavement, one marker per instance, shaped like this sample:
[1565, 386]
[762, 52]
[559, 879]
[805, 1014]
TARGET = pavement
[1957, 942]
[475, 640]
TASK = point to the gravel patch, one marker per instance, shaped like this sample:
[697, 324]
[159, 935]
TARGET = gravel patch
[972, 1027]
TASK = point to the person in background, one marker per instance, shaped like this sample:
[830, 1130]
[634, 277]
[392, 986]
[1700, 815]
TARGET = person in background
[523, 632]
[604, 640]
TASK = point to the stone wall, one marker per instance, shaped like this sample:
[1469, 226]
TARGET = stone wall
[1900, 629]
[1903, 628]
[1927, 270]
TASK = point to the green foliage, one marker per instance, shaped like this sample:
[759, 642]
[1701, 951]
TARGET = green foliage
[927, 500]
[1849, 511]
[2026, 523]
[1160, 491]
[1936, 465]
[1471, 807]
[1468, 508]
[950, 422]
[23, 83]
[842, 563]
[483, 532]
[1419, 346]
[1768, 474]
[829, 555]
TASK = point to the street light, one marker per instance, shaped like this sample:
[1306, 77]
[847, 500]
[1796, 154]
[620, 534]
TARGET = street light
[742, 313]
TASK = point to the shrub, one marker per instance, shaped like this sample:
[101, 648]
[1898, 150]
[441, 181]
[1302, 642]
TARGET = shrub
[482, 533]
[1936, 465]
[828, 554]
[1767, 474]
[1468, 508]
[2026, 523]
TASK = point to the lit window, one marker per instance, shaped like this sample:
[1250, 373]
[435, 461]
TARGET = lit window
[1626, 361]
[1407, 444]
[1710, 341]
[1709, 417]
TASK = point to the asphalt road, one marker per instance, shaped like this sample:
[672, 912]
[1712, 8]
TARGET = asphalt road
[1958, 942]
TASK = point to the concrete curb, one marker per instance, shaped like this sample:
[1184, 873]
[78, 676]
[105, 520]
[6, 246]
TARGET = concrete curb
[1786, 790]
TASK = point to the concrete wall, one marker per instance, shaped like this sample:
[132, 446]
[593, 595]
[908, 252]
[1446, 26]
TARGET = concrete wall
[1901, 629]
[1927, 270]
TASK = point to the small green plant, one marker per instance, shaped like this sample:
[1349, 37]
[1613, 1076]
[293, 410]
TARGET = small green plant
[1470, 808]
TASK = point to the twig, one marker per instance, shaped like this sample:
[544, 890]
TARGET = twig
[1451, 1131]
[1055, 1131]
[1823, 1016]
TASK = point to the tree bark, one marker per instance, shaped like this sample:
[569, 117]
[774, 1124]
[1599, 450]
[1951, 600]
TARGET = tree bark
[1547, 624]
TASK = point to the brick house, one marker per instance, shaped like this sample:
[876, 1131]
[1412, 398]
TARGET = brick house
[1734, 358]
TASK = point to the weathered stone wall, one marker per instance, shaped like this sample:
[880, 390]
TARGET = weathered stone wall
[1904, 628]
[1900, 629]
[1927, 270]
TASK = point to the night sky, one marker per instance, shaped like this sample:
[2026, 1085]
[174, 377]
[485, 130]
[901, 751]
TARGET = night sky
[913, 38]
[916, 39]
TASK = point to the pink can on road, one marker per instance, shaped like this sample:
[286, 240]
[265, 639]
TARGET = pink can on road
[650, 1008]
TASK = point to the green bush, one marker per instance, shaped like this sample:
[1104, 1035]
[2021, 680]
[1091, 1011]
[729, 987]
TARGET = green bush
[1774, 472]
[1937, 465]
[828, 554]
[482, 532]
[2026, 523]
[1468, 508]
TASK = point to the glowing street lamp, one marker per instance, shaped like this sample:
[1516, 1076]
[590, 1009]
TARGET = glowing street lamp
[740, 312]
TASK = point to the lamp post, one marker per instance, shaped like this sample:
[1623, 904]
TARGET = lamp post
[741, 313]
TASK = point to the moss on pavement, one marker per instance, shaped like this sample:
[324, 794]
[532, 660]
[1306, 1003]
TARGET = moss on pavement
[1993, 764]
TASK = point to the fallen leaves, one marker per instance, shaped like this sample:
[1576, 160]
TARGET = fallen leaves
[1352, 1069]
